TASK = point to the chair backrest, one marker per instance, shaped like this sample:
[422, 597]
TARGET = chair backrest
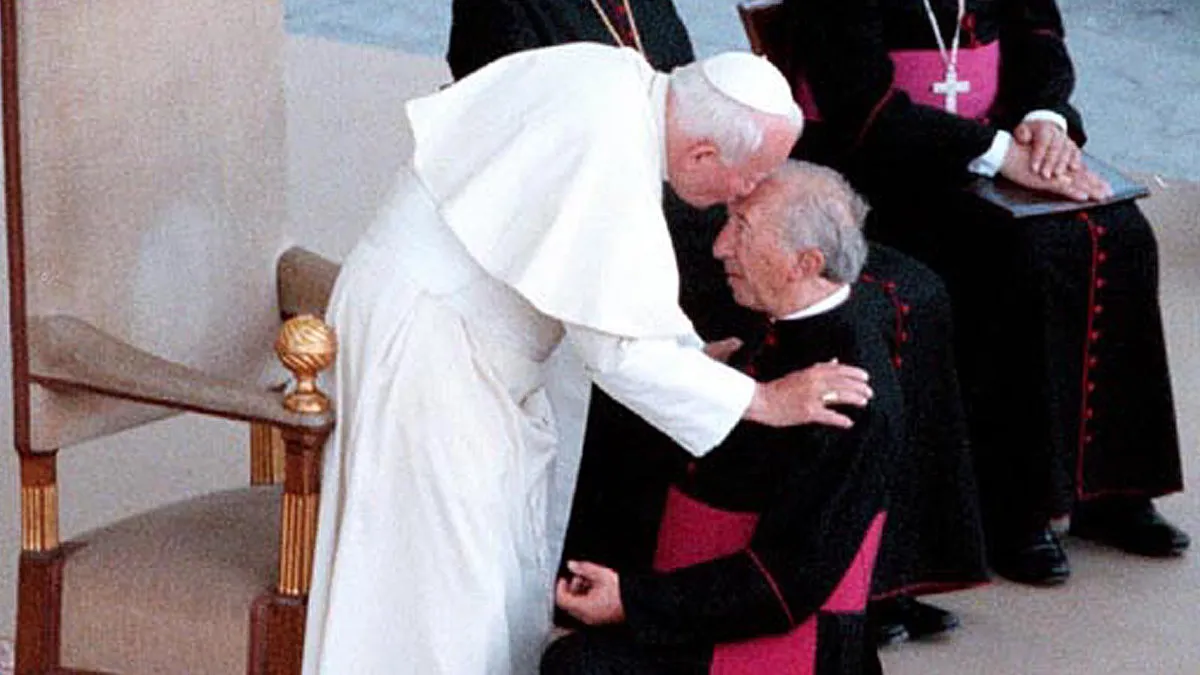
[766, 31]
[153, 196]
[348, 137]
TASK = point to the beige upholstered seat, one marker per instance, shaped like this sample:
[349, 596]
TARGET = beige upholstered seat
[183, 577]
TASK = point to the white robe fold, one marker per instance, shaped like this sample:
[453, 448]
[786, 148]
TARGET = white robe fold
[434, 552]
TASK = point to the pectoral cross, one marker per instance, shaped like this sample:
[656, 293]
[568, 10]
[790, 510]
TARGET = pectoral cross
[951, 87]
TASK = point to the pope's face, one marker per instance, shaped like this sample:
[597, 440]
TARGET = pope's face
[758, 267]
[704, 179]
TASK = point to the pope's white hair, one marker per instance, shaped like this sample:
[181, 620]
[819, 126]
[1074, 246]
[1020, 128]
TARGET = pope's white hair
[821, 210]
[702, 111]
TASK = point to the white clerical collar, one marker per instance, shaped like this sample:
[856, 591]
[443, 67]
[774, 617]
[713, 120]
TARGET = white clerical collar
[835, 299]
[659, 85]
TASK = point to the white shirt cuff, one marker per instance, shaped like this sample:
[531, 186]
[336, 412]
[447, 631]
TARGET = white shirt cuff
[988, 164]
[1047, 115]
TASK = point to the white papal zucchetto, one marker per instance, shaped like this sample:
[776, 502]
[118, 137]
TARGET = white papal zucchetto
[752, 81]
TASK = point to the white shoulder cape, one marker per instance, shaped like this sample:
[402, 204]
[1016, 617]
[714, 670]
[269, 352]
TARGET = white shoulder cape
[547, 166]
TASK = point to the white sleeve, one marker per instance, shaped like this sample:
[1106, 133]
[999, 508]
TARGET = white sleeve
[670, 383]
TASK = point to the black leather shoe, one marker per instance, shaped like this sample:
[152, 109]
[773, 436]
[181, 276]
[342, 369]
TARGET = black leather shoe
[918, 619]
[887, 628]
[1133, 525]
[1037, 559]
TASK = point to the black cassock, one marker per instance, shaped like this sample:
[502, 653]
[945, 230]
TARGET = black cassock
[934, 541]
[818, 492]
[1060, 341]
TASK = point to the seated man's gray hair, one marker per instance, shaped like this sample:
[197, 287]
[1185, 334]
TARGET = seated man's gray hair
[824, 212]
[703, 111]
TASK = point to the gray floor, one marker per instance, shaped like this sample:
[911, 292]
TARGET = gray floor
[1139, 85]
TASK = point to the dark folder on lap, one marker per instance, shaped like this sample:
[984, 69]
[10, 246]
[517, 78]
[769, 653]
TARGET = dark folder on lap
[1021, 202]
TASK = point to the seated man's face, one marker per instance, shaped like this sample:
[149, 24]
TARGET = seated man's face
[759, 268]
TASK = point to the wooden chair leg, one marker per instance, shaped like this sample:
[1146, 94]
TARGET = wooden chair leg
[266, 454]
[277, 619]
[306, 346]
[39, 574]
[276, 635]
[39, 611]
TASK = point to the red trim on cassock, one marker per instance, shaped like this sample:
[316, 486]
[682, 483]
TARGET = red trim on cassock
[929, 588]
[1046, 32]
[1090, 337]
[902, 309]
[867, 123]
[968, 26]
[787, 611]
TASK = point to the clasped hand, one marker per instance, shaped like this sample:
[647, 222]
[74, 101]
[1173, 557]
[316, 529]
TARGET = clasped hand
[592, 594]
[1043, 157]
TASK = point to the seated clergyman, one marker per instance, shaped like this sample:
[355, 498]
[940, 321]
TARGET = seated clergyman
[766, 546]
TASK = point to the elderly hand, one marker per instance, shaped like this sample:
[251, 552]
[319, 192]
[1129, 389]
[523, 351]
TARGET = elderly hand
[721, 350]
[1081, 185]
[593, 595]
[1052, 152]
[803, 397]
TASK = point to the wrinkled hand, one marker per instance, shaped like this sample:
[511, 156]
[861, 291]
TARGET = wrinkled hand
[804, 397]
[1082, 185]
[721, 350]
[593, 595]
[1052, 152]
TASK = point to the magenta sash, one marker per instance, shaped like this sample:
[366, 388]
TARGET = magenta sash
[693, 532]
[917, 69]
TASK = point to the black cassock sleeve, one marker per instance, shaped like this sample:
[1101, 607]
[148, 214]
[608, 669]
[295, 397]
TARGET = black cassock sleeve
[482, 31]
[805, 540]
[840, 46]
[1036, 71]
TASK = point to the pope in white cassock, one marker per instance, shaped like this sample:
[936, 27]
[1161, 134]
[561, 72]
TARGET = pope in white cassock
[531, 215]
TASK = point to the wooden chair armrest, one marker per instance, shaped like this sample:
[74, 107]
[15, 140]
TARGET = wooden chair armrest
[67, 352]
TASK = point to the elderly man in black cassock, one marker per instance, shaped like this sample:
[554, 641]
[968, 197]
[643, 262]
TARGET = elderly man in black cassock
[935, 542]
[765, 548]
[1061, 347]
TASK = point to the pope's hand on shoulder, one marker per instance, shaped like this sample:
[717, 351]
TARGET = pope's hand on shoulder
[806, 396]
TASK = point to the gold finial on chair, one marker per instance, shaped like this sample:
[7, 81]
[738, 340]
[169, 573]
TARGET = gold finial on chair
[306, 346]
